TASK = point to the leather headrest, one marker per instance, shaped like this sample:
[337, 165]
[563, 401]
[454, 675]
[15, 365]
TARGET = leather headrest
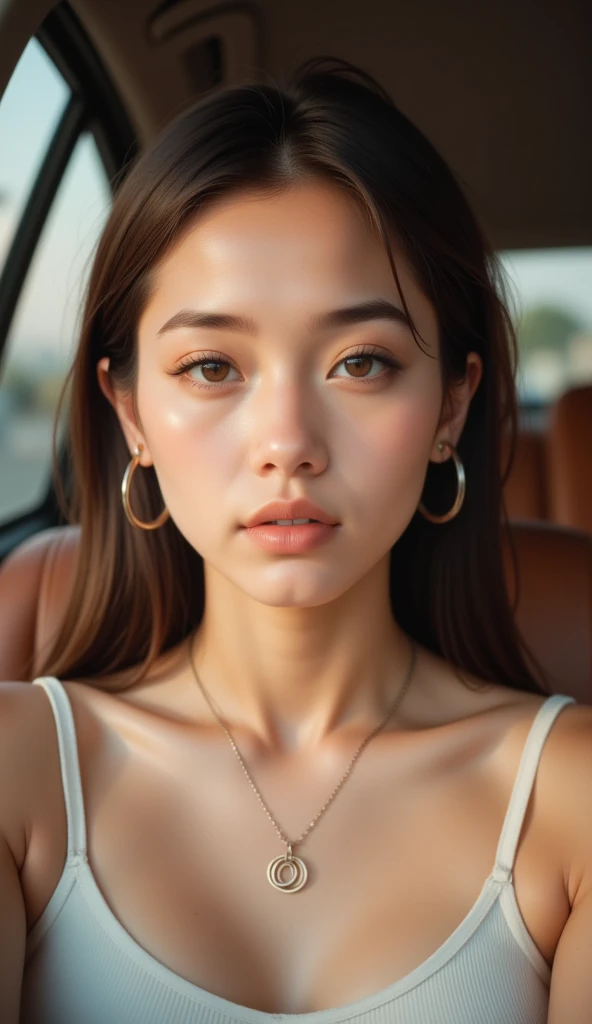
[554, 606]
[525, 491]
[569, 459]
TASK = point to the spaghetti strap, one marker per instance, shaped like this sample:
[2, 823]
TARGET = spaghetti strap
[69, 763]
[512, 827]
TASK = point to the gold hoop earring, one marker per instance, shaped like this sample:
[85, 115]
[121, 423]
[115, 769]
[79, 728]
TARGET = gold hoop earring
[125, 486]
[460, 492]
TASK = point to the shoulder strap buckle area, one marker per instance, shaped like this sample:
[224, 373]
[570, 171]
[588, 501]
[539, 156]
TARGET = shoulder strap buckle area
[501, 873]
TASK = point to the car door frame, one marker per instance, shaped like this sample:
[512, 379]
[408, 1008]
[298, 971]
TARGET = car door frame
[94, 106]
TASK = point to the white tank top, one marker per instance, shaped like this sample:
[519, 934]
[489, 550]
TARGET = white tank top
[83, 967]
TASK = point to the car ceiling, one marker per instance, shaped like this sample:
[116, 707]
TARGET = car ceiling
[501, 88]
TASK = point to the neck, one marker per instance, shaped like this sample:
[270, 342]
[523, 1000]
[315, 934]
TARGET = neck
[294, 675]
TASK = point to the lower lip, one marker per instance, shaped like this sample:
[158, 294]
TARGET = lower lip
[290, 540]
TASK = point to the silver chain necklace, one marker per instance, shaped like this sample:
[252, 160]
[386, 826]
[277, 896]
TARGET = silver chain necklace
[287, 872]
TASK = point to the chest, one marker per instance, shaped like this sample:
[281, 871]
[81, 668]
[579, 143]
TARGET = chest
[179, 848]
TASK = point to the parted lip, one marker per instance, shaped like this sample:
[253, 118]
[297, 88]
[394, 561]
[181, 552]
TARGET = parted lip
[300, 509]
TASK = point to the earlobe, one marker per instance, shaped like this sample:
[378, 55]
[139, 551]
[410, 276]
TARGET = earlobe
[441, 449]
[124, 409]
[451, 426]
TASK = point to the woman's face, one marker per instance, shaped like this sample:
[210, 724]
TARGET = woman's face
[278, 412]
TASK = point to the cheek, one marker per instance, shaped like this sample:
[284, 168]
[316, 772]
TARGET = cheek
[391, 446]
[193, 447]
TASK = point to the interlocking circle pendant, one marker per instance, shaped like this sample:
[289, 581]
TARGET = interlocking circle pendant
[295, 869]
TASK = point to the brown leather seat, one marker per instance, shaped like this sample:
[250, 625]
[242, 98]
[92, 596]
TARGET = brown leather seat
[569, 459]
[525, 492]
[554, 608]
[35, 582]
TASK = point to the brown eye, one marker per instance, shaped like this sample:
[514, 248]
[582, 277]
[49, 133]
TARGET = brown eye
[207, 372]
[214, 372]
[358, 363]
[211, 370]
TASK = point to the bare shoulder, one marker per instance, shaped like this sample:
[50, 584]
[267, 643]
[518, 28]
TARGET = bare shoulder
[566, 773]
[562, 791]
[563, 784]
[28, 754]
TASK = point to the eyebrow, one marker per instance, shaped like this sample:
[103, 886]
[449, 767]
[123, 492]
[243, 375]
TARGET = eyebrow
[372, 309]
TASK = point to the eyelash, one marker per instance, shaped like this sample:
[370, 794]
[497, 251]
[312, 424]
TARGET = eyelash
[182, 370]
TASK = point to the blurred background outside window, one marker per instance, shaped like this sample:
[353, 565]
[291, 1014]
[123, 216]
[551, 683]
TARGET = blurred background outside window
[552, 295]
[42, 335]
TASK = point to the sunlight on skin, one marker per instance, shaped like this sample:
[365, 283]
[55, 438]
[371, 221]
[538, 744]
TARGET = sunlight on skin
[291, 639]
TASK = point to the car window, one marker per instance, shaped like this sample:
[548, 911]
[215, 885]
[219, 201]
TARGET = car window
[35, 97]
[551, 291]
[42, 332]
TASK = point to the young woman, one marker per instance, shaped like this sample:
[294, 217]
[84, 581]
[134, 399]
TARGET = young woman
[297, 733]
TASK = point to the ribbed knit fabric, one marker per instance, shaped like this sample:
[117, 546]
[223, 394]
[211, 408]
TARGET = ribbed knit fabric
[83, 967]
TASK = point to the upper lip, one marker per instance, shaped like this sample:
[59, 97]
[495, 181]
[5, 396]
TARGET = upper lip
[300, 509]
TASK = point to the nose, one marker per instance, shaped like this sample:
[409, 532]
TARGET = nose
[287, 432]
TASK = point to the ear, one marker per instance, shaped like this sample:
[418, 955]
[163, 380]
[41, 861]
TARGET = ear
[456, 407]
[123, 404]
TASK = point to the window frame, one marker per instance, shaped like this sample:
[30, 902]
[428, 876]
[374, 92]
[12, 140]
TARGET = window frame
[96, 107]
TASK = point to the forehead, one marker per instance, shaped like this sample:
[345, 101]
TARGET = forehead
[296, 252]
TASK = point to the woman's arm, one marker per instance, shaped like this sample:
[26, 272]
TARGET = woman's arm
[12, 936]
[571, 980]
[15, 780]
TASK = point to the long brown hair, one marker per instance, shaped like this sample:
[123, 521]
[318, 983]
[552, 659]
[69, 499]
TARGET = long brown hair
[137, 594]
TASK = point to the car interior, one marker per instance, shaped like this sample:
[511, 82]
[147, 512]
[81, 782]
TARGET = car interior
[502, 89]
